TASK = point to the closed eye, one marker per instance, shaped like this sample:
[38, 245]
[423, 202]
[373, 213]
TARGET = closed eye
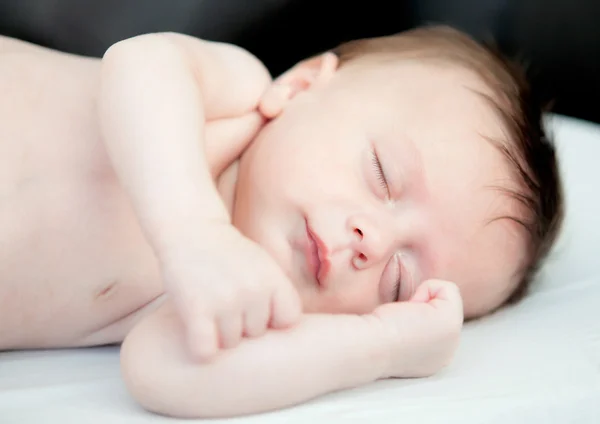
[379, 172]
[398, 281]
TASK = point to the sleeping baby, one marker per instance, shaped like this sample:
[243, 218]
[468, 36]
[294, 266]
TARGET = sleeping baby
[256, 243]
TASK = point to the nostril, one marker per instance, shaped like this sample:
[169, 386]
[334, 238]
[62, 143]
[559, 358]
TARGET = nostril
[360, 233]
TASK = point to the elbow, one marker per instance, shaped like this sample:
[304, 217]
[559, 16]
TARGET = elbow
[160, 377]
[158, 383]
[139, 43]
[142, 380]
[145, 51]
[132, 68]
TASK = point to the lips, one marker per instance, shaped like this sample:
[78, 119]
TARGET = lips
[316, 256]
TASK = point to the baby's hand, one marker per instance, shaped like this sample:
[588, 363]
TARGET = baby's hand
[422, 334]
[226, 287]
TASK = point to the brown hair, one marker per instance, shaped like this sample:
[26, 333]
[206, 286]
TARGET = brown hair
[528, 150]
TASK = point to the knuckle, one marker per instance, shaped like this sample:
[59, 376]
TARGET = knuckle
[196, 308]
[254, 289]
[202, 330]
[228, 298]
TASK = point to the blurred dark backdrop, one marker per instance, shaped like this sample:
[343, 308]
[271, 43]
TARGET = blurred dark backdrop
[559, 39]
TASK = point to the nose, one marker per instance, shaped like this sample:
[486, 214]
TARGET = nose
[372, 240]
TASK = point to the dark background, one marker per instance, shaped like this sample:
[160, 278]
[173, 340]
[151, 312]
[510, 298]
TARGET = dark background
[559, 39]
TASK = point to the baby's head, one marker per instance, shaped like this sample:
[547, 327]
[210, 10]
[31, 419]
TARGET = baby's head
[400, 159]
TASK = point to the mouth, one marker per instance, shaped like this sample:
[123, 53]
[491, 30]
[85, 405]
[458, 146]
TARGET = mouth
[316, 256]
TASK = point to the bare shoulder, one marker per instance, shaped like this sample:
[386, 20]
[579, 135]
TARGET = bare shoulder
[232, 78]
[38, 84]
[13, 45]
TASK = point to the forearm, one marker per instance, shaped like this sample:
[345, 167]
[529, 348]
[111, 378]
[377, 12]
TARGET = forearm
[322, 354]
[152, 119]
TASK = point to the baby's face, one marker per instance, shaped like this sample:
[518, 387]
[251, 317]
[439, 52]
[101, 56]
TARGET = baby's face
[377, 177]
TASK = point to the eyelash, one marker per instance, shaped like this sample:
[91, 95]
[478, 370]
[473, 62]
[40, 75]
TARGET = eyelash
[396, 289]
[379, 171]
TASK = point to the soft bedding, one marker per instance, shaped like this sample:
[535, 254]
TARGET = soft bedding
[536, 362]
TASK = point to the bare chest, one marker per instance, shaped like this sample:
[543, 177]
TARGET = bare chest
[72, 257]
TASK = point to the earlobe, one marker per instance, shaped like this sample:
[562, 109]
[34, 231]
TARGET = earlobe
[312, 72]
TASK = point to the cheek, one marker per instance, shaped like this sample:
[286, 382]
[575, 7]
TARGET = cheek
[356, 303]
[357, 297]
[305, 162]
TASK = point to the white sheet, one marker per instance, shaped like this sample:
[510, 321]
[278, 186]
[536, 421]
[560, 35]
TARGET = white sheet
[537, 362]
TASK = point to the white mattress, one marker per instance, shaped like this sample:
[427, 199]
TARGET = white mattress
[538, 362]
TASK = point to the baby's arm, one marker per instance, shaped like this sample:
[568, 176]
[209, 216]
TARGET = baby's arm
[321, 354]
[162, 99]
[157, 93]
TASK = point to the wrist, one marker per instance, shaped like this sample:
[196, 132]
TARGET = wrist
[192, 233]
[380, 342]
[367, 353]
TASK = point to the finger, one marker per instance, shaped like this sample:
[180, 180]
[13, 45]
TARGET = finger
[422, 294]
[436, 290]
[442, 295]
[444, 291]
[230, 329]
[286, 308]
[202, 338]
[274, 100]
[256, 319]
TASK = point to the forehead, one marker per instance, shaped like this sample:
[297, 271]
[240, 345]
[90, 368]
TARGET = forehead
[439, 114]
[444, 113]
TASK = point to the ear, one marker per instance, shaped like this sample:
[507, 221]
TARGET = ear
[312, 72]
